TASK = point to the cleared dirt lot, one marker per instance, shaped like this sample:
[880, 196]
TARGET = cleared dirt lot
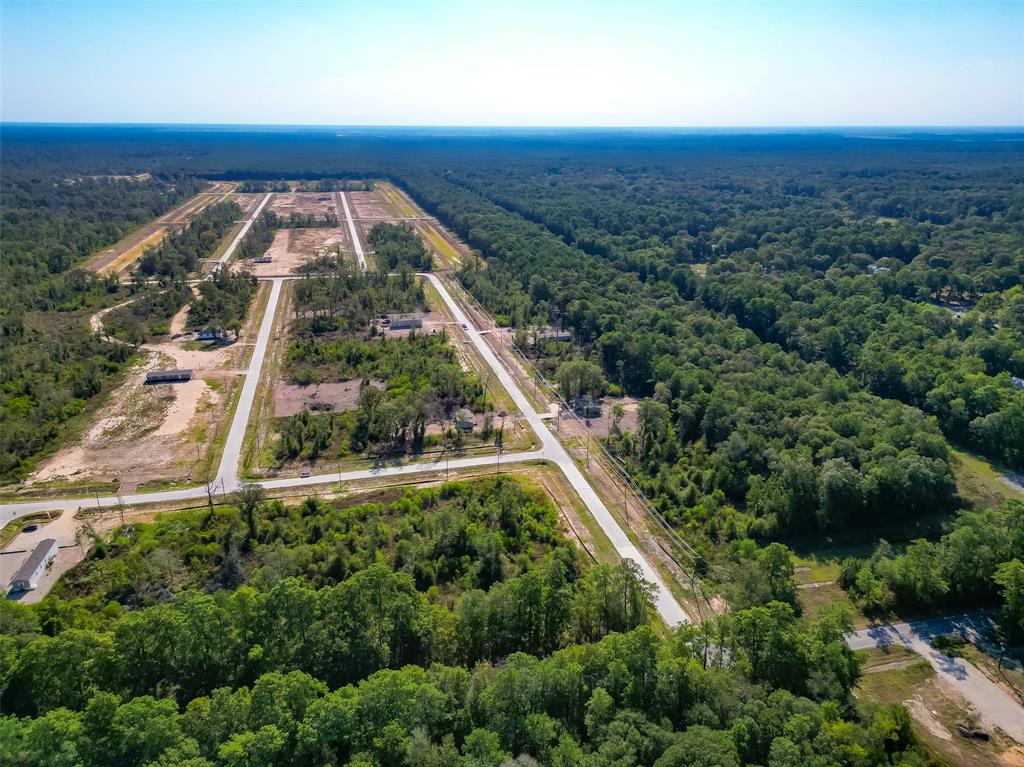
[316, 203]
[247, 201]
[150, 432]
[290, 399]
[373, 205]
[157, 433]
[294, 247]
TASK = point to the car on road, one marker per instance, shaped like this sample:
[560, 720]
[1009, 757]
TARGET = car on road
[305, 474]
[465, 326]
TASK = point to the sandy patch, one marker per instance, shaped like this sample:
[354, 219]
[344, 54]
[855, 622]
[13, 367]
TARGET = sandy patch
[178, 321]
[142, 433]
[1013, 757]
[293, 247]
[372, 205]
[197, 360]
[601, 426]
[290, 399]
[188, 395]
[247, 201]
[317, 203]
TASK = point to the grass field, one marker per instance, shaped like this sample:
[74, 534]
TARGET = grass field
[978, 482]
[396, 198]
[442, 247]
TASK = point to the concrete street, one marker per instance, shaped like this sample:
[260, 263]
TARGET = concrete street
[352, 231]
[242, 232]
[227, 476]
[994, 705]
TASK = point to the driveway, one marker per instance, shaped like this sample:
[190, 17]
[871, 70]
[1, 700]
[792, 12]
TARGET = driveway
[995, 706]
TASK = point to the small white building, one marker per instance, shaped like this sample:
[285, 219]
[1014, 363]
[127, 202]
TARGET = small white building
[168, 376]
[409, 321]
[32, 569]
[210, 334]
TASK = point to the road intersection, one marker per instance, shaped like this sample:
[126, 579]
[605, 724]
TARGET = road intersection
[228, 480]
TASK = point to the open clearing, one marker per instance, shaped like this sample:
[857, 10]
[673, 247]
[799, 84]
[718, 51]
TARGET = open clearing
[146, 433]
[247, 201]
[306, 203]
[293, 247]
[398, 199]
[898, 676]
[155, 433]
[373, 205]
[291, 399]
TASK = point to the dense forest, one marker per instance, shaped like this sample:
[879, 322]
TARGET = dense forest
[896, 278]
[396, 245]
[181, 250]
[51, 364]
[735, 436]
[451, 626]
[810, 325]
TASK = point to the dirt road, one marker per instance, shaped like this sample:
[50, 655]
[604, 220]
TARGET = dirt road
[120, 256]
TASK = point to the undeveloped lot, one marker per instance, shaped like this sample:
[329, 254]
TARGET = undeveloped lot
[306, 203]
[247, 201]
[290, 399]
[150, 432]
[294, 247]
[123, 253]
[372, 205]
[145, 433]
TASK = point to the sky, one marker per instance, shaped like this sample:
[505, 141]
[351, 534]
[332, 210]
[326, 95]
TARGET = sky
[488, 62]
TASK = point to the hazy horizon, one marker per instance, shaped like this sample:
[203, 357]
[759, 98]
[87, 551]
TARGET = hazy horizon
[699, 65]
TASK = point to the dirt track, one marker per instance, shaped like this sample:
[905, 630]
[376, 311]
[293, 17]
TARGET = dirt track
[121, 255]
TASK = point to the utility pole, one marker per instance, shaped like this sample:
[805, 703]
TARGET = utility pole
[501, 439]
[447, 448]
[625, 503]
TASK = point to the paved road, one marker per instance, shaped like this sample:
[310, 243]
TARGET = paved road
[995, 706]
[552, 450]
[227, 474]
[238, 237]
[352, 230]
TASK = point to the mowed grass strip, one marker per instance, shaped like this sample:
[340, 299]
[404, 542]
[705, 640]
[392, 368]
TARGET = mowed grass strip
[441, 246]
[126, 258]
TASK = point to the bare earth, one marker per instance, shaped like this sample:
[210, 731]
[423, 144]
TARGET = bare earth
[290, 399]
[372, 205]
[317, 203]
[294, 247]
[147, 432]
[247, 201]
